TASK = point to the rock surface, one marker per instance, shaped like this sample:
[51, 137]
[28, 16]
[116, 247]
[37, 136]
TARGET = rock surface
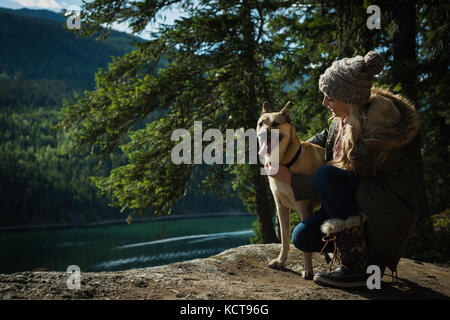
[239, 273]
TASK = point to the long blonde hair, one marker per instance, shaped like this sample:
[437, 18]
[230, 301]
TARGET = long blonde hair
[355, 132]
[353, 127]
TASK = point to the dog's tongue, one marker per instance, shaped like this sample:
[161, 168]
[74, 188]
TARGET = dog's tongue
[265, 149]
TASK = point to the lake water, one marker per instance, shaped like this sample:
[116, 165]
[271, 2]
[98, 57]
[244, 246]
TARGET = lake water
[122, 247]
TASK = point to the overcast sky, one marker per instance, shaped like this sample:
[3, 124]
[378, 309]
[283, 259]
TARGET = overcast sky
[58, 5]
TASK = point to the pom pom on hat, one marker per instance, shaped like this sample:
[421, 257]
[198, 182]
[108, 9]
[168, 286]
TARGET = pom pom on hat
[374, 63]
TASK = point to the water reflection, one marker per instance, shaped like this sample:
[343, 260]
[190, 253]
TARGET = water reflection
[194, 238]
[123, 247]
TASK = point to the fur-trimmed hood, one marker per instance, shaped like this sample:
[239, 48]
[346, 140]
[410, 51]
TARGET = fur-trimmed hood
[392, 120]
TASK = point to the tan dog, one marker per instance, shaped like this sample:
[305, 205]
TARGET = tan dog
[300, 157]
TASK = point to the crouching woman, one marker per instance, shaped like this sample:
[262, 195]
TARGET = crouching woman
[367, 188]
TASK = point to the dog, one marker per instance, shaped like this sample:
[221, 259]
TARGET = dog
[300, 157]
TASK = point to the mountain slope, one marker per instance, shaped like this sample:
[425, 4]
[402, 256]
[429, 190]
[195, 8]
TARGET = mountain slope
[40, 64]
[35, 45]
[35, 13]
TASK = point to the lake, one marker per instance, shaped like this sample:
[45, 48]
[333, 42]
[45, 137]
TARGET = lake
[122, 247]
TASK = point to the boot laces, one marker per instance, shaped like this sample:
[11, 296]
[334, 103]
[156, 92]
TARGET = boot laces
[328, 239]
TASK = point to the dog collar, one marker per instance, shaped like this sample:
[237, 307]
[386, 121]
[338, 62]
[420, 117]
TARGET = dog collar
[297, 154]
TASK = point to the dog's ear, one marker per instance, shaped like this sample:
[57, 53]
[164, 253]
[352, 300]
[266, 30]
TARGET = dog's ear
[265, 107]
[285, 112]
[286, 107]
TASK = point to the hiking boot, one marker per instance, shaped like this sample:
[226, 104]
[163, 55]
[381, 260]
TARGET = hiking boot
[350, 249]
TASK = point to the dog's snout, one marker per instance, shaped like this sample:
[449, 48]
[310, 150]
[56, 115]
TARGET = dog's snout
[262, 133]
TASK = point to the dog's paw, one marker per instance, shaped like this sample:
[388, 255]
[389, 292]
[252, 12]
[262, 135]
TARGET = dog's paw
[276, 264]
[307, 274]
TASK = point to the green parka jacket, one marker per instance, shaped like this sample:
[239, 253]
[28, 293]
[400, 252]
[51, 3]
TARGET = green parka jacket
[387, 196]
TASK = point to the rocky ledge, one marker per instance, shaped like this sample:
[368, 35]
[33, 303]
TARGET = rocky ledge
[239, 273]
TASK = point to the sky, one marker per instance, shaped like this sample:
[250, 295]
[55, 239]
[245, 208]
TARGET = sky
[58, 5]
[54, 5]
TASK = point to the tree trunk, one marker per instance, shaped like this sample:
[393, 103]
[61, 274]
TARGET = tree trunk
[250, 68]
[404, 72]
[345, 26]
[263, 211]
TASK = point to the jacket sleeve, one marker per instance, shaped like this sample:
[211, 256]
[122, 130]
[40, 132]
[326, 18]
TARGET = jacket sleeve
[320, 138]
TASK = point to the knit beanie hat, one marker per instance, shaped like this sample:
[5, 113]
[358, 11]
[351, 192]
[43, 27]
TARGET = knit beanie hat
[350, 80]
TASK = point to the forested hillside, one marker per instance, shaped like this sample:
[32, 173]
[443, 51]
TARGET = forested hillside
[225, 58]
[41, 63]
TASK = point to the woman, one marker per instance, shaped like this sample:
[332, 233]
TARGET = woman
[367, 188]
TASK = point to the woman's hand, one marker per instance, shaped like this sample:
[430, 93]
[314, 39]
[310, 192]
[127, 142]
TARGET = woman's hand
[283, 174]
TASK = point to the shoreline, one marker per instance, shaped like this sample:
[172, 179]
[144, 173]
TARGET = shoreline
[52, 227]
[239, 273]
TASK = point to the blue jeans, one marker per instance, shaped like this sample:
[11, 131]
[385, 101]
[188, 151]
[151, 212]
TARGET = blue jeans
[336, 189]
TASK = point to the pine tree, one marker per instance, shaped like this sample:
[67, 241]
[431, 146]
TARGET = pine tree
[215, 73]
